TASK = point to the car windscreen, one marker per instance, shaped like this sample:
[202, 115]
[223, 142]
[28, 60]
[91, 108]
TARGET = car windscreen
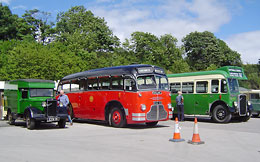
[41, 92]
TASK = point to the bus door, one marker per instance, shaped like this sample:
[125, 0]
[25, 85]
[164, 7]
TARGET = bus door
[187, 93]
[201, 105]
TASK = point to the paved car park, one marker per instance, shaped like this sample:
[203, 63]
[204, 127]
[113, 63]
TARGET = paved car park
[96, 142]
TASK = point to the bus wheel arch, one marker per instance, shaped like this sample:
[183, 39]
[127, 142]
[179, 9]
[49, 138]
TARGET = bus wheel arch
[115, 114]
[221, 114]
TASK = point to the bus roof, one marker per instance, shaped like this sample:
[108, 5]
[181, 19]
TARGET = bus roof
[33, 83]
[117, 70]
[227, 71]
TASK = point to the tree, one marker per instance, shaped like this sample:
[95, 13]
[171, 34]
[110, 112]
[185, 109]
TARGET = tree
[39, 27]
[7, 23]
[86, 35]
[149, 49]
[204, 49]
[33, 60]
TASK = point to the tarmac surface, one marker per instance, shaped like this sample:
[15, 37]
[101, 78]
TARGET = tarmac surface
[92, 141]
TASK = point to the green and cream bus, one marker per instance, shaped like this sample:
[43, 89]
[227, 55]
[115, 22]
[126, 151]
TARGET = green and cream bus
[213, 93]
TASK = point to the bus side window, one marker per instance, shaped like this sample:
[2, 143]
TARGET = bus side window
[66, 87]
[202, 87]
[92, 84]
[214, 86]
[130, 84]
[117, 83]
[188, 87]
[83, 84]
[104, 83]
[74, 85]
[223, 86]
[175, 87]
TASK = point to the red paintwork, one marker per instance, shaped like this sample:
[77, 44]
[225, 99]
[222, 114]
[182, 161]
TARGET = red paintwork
[87, 107]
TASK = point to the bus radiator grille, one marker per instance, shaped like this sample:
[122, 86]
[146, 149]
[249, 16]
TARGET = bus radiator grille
[242, 105]
[157, 112]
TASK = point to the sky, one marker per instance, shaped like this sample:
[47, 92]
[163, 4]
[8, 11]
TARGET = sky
[236, 22]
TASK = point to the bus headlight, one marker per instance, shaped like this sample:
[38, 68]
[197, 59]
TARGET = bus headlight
[44, 104]
[170, 106]
[143, 107]
[249, 103]
[235, 103]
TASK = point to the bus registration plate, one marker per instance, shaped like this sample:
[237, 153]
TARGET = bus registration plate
[52, 118]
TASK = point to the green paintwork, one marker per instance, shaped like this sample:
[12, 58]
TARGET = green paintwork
[13, 94]
[200, 104]
[226, 71]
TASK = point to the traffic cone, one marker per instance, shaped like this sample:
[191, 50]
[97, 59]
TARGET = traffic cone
[196, 137]
[176, 134]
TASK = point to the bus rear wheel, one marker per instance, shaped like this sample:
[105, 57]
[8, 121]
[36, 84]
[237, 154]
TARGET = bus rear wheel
[117, 118]
[221, 115]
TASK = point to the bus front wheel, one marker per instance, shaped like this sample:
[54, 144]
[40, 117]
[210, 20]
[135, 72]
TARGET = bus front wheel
[117, 118]
[221, 115]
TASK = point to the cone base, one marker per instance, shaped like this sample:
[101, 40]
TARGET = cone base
[196, 143]
[176, 140]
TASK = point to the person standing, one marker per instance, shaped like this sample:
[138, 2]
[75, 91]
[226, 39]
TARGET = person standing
[180, 106]
[64, 101]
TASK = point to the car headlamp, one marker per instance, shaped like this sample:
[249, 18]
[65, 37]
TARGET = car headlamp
[44, 104]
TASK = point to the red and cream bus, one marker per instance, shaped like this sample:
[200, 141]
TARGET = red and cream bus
[119, 95]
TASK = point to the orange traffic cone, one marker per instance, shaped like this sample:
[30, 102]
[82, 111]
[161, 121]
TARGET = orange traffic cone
[176, 135]
[196, 136]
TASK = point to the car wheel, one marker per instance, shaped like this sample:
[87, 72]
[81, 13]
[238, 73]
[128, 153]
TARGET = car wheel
[30, 122]
[62, 123]
[10, 118]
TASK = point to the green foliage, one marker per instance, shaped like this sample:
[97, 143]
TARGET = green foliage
[33, 60]
[7, 23]
[252, 72]
[148, 49]
[204, 49]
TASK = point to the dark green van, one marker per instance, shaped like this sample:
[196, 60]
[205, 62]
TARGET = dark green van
[33, 101]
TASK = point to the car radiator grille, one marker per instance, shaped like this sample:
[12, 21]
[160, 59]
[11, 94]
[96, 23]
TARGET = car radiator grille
[157, 112]
[51, 107]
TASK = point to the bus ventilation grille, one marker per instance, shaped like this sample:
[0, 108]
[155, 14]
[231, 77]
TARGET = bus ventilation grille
[51, 107]
[157, 112]
[242, 105]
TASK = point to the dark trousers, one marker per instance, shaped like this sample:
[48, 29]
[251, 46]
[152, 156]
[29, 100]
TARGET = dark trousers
[180, 109]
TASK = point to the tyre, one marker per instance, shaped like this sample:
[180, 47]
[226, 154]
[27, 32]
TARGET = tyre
[62, 123]
[117, 118]
[10, 118]
[245, 118]
[30, 122]
[221, 115]
[151, 124]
